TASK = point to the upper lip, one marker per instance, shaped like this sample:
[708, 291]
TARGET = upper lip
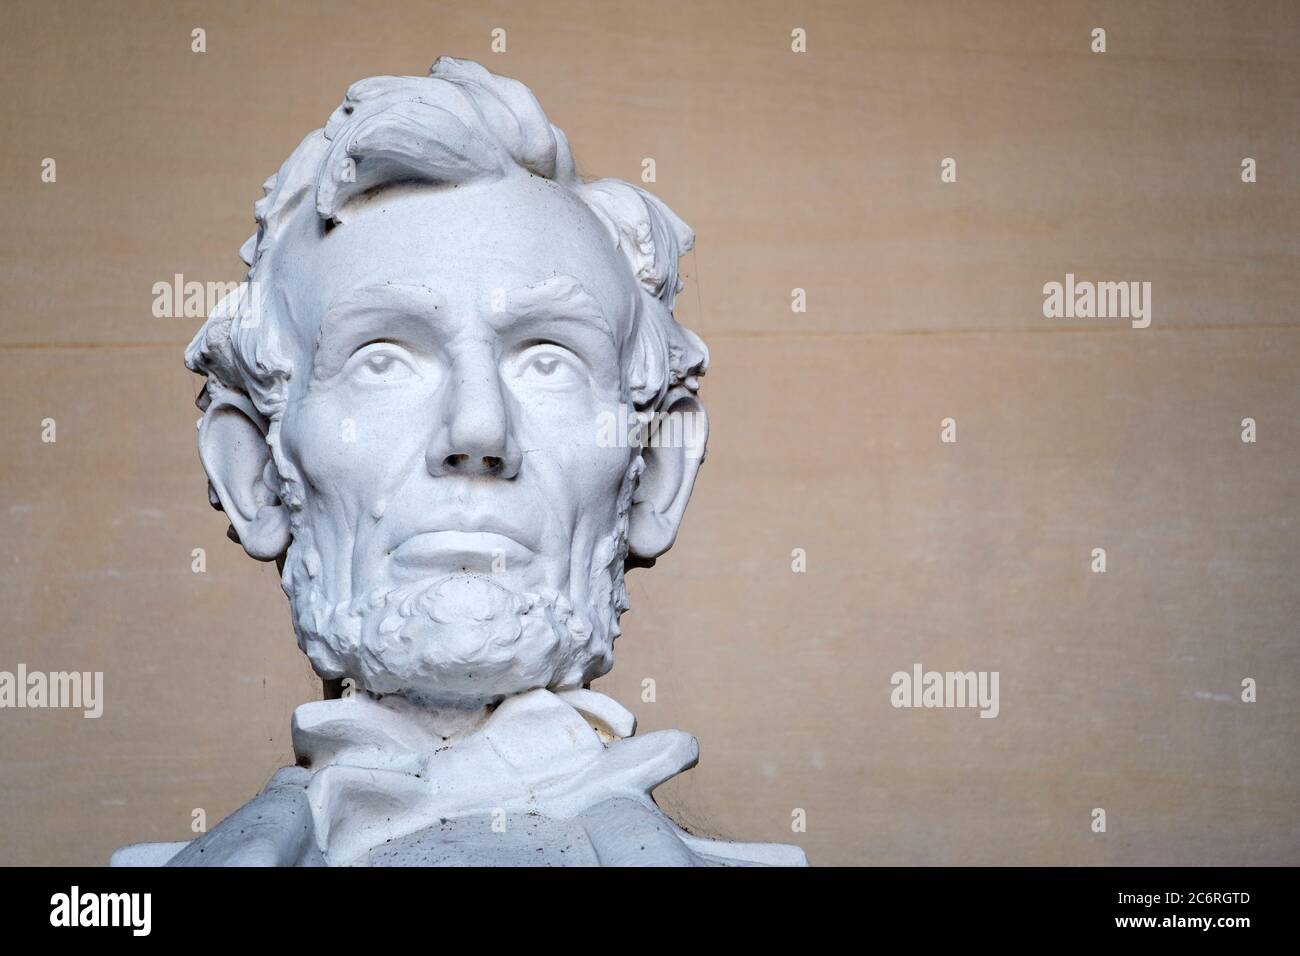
[474, 524]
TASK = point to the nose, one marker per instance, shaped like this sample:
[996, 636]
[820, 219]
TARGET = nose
[475, 436]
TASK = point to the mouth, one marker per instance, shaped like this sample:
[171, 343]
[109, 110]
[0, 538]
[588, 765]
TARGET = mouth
[452, 551]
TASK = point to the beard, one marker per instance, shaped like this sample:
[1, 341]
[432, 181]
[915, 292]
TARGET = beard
[459, 639]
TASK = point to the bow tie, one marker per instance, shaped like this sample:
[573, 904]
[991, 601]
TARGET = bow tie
[382, 770]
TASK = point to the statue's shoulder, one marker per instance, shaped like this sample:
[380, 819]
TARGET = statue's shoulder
[272, 829]
[627, 831]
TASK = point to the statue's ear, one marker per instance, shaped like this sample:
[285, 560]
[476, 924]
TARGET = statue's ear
[673, 455]
[233, 449]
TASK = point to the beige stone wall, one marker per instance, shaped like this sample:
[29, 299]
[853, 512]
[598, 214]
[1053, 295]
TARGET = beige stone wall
[818, 171]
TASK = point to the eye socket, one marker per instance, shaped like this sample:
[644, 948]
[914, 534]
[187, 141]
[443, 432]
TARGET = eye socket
[549, 366]
[380, 363]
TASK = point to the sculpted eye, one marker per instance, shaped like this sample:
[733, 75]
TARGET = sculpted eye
[380, 363]
[550, 366]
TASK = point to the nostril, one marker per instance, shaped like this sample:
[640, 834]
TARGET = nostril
[465, 465]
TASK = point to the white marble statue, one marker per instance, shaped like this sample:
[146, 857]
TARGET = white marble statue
[438, 403]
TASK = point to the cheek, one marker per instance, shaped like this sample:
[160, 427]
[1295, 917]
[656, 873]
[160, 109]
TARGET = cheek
[566, 453]
[350, 449]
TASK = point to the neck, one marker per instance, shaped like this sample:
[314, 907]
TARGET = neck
[447, 720]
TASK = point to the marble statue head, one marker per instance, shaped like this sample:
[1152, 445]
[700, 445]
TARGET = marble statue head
[408, 402]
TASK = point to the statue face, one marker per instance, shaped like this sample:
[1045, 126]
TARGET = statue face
[462, 345]
[453, 526]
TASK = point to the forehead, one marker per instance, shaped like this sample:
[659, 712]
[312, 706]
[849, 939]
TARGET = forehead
[467, 245]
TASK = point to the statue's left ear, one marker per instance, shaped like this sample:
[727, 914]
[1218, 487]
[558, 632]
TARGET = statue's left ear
[672, 460]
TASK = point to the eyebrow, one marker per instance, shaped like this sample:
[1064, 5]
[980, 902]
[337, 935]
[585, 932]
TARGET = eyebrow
[380, 299]
[558, 297]
[402, 308]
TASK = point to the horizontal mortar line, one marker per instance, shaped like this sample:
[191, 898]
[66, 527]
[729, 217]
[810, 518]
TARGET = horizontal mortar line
[70, 346]
[1118, 330]
[761, 334]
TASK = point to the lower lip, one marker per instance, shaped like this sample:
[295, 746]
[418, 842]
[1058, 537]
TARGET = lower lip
[452, 551]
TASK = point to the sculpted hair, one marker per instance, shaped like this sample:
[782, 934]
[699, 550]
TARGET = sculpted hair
[460, 124]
